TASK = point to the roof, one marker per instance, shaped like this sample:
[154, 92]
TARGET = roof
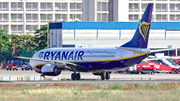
[111, 25]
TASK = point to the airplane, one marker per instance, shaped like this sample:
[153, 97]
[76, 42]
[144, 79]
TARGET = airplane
[99, 61]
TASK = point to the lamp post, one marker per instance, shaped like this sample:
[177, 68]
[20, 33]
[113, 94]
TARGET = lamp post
[24, 16]
[47, 35]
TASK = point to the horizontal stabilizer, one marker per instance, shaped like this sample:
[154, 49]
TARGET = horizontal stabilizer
[131, 49]
[160, 50]
[166, 57]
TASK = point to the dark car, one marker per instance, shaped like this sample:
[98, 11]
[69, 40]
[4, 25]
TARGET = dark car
[15, 64]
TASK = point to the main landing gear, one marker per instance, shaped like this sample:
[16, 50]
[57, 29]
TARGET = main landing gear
[75, 76]
[105, 75]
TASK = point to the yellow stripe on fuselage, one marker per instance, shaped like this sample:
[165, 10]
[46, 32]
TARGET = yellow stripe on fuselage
[47, 71]
[110, 59]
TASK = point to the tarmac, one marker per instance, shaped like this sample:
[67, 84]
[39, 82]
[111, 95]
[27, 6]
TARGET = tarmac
[88, 78]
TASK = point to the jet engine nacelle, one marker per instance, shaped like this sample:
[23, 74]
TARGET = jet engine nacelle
[50, 70]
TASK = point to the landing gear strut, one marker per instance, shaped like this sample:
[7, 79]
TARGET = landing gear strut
[105, 75]
[42, 75]
[75, 76]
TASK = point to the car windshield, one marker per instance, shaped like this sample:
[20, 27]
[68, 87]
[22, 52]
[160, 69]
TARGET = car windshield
[142, 62]
[16, 62]
[3, 63]
[172, 61]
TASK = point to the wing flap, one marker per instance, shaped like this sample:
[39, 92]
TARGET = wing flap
[75, 66]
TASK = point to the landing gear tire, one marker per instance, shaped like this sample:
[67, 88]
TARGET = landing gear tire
[73, 76]
[103, 76]
[78, 76]
[107, 75]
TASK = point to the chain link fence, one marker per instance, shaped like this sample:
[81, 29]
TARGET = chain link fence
[7, 55]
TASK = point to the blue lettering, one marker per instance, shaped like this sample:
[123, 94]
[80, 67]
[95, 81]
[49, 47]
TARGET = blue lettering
[52, 54]
[80, 54]
[46, 55]
[64, 55]
[58, 55]
[70, 55]
[41, 54]
[75, 55]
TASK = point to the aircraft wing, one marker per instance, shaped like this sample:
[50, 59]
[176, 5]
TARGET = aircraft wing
[75, 66]
[159, 50]
[47, 61]
[60, 64]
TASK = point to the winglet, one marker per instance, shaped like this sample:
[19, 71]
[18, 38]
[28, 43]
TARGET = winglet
[14, 54]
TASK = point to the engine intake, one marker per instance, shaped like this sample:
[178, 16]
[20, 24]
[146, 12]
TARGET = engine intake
[50, 70]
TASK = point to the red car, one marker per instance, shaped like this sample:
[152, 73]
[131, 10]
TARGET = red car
[14, 64]
[177, 60]
[143, 67]
[153, 66]
[164, 65]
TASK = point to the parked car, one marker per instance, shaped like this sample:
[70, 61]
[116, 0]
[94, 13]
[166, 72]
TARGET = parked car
[165, 65]
[142, 68]
[15, 64]
[26, 67]
[177, 60]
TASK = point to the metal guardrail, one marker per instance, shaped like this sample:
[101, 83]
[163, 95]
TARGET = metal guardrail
[27, 78]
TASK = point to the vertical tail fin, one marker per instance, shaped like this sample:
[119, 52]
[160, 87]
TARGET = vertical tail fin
[14, 54]
[141, 36]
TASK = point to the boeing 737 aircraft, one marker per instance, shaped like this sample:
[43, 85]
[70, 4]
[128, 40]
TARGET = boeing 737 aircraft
[99, 61]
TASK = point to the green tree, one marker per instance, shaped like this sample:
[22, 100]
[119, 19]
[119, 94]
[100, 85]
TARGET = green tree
[41, 37]
[4, 44]
[23, 41]
[4, 40]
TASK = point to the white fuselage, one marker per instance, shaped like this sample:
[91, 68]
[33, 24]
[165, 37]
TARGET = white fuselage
[73, 55]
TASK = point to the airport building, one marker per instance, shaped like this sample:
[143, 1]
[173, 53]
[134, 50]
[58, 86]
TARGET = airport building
[129, 10]
[24, 16]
